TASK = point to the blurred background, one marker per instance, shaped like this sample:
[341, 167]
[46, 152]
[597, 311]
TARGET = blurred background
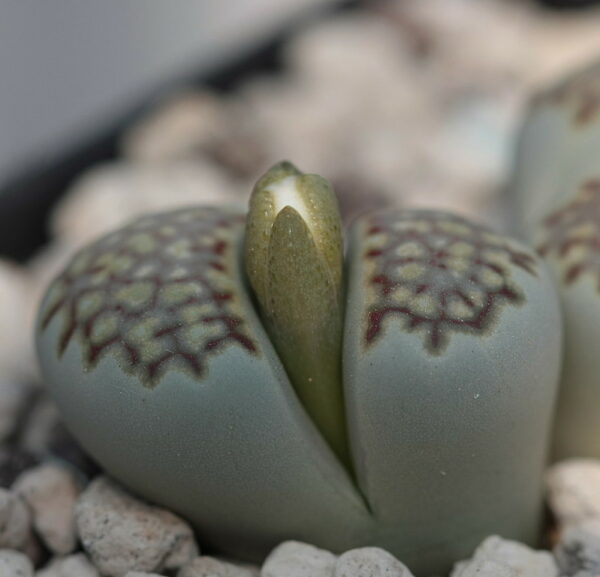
[68, 66]
[113, 108]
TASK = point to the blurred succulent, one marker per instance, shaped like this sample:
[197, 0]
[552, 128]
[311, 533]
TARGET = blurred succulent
[556, 191]
[236, 371]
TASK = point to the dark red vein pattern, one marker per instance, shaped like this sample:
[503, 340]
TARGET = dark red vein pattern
[438, 274]
[159, 294]
[572, 235]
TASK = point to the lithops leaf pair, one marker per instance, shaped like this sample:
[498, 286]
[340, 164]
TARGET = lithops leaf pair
[557, 196]
[243, 373]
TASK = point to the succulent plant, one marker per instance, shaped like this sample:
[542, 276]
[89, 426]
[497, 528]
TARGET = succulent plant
[245, 374]
[556, 192]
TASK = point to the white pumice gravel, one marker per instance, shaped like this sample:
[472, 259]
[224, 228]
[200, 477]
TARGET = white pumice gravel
[14, 564]
[77, 565]
[369, 562]
[121, 533]
[51, 491]
[573, 489]
[15, 521]
[296, 559]
[578, 553]
[511, 556]
[483, 568]
[180, 125]
[206, 566]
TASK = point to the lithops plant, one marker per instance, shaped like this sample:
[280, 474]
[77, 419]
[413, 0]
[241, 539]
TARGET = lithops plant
[557, 196]
[237, 371]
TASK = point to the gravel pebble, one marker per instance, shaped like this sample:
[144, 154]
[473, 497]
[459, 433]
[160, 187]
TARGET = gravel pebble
[14, 564]
[211, 567]
[15, 521]
[578, 554]
[573, 488]
[483, 569]
[142, 574]
[121, 533]
[51, 491]
[370, 562]
[180, 125]
[509, 556]
[295, 559]
[72, 566]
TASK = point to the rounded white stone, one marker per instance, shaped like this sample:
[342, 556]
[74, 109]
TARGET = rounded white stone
[508, 558]
[121, 533]
[371, 562]
[14, 564]
[295, 559]
[573, 489]
[51, 491]
[210, 567]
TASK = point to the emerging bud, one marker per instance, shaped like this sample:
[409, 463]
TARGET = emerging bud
[294, 262]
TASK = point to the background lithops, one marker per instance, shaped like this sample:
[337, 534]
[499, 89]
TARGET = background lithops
[434, 434]
[556, 147]
[557, 195]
